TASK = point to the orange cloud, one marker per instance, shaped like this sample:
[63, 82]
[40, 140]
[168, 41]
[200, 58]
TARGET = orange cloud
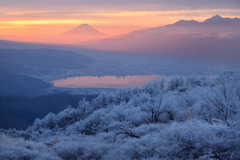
[111, 23]
[53, 22]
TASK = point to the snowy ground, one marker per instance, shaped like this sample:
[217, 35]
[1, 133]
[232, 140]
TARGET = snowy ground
[193, 118]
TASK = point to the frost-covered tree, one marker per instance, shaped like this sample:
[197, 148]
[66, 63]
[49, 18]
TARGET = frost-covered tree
[157, 110]
[123, 95]
[162, 84]
[49, 121]
[222, 99]
[174, 83]
[85, 108]
[100, 101]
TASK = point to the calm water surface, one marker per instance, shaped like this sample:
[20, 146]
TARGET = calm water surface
[105, 81]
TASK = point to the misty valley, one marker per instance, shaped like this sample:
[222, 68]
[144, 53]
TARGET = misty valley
[170, 92]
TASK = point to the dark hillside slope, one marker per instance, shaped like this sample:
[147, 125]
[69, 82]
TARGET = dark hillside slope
[40, 61]
[19, 112]
[11, 84]
[19, 66]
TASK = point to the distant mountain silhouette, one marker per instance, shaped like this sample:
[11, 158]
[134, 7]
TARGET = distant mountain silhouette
[215, 21]
[216, 39]
[84, 30]
[191, 23]
[220, 21]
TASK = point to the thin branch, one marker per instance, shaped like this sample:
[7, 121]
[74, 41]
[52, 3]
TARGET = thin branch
[126, 132]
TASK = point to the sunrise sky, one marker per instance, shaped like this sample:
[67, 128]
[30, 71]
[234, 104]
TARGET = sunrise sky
[51, 17]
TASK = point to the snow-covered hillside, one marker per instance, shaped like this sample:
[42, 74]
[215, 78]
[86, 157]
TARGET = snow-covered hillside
[184, 118]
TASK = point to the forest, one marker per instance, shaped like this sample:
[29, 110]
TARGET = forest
[180, 118]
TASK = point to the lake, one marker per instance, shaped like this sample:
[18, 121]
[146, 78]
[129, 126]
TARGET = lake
[105, 81]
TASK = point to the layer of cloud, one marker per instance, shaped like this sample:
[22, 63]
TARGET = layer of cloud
[111, 17]
[122, 5]
[111, 23]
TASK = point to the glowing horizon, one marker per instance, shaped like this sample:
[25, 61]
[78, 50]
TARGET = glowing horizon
[111, 18]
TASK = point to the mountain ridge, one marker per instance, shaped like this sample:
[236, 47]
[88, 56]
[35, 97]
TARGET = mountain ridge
[213, 21]
[181, 23]
[84, 30]
[213, 37]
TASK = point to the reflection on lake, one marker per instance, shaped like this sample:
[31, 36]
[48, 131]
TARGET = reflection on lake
[105, 81]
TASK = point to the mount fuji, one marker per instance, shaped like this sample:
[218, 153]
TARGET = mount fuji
[84, 30]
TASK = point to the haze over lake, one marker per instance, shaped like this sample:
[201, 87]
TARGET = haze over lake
[106, 81]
